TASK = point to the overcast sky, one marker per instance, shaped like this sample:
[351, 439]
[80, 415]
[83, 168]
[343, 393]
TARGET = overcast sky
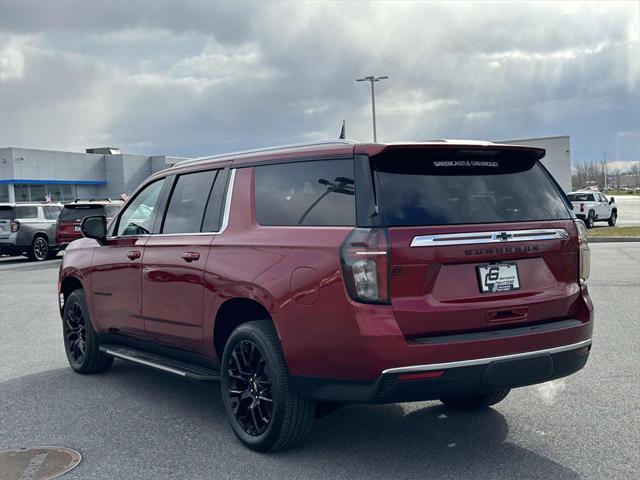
[196, 78]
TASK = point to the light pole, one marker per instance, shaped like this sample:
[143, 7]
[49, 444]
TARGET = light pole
[372, 79]
[604, 167]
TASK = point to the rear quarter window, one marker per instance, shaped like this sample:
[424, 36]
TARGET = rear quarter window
[312, 193]
[23, 211]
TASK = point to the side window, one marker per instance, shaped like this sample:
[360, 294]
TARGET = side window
[188, 199]
[137, 219]
[51, 213]
[26, 212]
[590, 198]
[213, 214]
[314, 193]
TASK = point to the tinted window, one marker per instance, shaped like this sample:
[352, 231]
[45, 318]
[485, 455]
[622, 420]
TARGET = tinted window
[215, 205]
[52, 213]
[580, 197]
[187, 203]
[112, 210]
[26, 212]
[306, 193]
[137, 218]
[6, 213]
[75, 213]
[465, 187]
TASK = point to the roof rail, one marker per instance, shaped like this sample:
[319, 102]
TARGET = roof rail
[269, 149]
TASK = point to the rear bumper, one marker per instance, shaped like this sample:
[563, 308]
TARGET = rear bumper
[481, 375]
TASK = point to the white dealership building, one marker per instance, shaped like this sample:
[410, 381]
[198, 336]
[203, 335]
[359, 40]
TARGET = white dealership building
[558, 157]
[27, 174]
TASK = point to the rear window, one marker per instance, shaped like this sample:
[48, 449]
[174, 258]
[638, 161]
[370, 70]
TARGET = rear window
[6, 213]
[580, 197]
[72, 213]
[465, 187]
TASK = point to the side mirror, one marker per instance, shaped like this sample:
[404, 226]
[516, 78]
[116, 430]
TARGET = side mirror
[95, 227]
[611, 200]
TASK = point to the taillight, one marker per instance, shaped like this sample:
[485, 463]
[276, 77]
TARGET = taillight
[15, 226]
[582, 207]
[364, 256]
[584, 254]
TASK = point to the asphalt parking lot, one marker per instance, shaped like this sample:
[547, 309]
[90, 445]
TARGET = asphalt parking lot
[134, 423]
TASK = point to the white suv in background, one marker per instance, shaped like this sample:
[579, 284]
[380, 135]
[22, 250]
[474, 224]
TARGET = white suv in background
[593, 207]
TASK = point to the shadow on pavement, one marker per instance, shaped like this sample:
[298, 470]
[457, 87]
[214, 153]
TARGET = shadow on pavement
[133, 422]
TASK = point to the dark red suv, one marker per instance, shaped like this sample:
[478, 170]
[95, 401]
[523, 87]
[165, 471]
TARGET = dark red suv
[72, 214]
[306, 277]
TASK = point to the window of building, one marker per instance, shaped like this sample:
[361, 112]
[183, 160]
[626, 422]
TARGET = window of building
[4, 193]
[313, 193]
[22, 193]
[188, 200]
[38, 193]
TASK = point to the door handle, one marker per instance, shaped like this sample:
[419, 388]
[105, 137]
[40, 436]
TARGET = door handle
[190, 256]
[133, 254]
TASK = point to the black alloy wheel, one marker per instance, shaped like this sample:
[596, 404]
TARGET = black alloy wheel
[75, 334]
[250, 388]
[81, 342]
[260, 400]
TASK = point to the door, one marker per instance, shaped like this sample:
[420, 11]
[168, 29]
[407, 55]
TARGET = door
[117, 265]
[174, 260]
[604, 210]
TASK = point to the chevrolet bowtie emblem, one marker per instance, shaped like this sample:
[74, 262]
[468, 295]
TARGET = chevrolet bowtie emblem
[504, 236]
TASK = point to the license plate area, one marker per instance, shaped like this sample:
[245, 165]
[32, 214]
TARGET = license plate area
[498, 277]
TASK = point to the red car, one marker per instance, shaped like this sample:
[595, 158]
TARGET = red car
[311, 276]
[68, 227]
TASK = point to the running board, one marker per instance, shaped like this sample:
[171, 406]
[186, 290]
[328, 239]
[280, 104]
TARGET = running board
[183, 369]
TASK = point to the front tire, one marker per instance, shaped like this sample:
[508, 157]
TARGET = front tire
[473, 402]
[80, 339]
[613, 218]
[262, 406]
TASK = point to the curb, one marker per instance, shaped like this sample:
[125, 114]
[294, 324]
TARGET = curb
[612, 239]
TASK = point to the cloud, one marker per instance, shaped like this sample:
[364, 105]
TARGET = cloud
[193, 78]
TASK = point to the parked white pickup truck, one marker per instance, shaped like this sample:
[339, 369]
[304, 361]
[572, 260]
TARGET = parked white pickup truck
[593, 207]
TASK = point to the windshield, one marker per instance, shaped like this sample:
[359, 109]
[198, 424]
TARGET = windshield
[445, 187]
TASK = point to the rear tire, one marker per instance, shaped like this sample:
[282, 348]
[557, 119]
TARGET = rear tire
[80, 339]
[590, 220]
[473, 402]
[39, 250]
[613, 218]
[264, 410]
